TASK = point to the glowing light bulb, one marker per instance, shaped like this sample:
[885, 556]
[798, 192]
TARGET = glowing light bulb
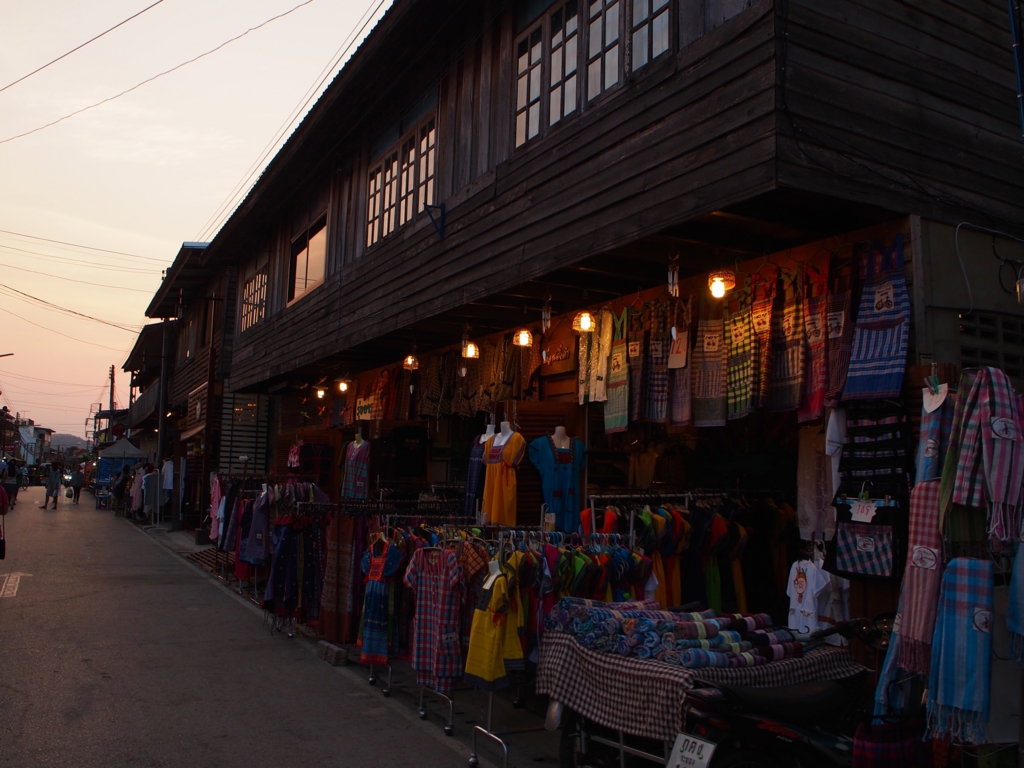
[718, 288]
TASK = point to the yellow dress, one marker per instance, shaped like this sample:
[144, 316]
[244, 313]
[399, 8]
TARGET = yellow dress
[485, 663]
[499, 501]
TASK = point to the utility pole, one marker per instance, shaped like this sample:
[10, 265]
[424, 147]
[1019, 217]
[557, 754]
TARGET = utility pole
[111, 397]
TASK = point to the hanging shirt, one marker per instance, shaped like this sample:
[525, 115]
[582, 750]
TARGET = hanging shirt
[806, 583]
[168, 473]
[616, 409]
[436, 577]
[474, 477]
[560, 478]
[500, 482]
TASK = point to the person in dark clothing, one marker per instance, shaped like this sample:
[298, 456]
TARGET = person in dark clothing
[77, 481]
[53, 483]
[118, 487]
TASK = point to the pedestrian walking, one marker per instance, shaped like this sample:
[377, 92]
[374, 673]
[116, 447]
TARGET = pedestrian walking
[53, 483]
[118, 487]
[77, 481]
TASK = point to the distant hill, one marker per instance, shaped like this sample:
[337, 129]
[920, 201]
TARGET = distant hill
[65, 440]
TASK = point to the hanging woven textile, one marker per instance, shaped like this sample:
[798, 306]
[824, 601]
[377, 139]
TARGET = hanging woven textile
[815, 313]
[708, 376]
[658, 346]
[879, 354]
[788, 350]
[680, 366]
[741, 373]
[635, 348]
[840, 345]
[600, 350]
[616, 410]
[761, 320]
[584, 363]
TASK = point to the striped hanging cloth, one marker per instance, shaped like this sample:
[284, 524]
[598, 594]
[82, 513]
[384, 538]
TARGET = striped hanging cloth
[616, 410]
[741, 373]
[708, 376]
[656, 402]
[788, 351]
[761, 319]
[679, 378]
[840, 345]
[880, 338]
[812, 406]
[635, 349]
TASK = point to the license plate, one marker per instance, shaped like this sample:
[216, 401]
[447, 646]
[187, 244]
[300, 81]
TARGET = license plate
[690, 752]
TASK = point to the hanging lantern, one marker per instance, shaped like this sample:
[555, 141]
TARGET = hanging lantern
[320, 392]
[522, 338]
[721, 281]
[584, 322]
[343, 385]
[545, 316]
[411, 362]
[673, 277]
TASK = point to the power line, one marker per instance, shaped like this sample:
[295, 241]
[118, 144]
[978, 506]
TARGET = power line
[65, 55]
[79, 245]
[65, 310]
[44, 381]
[74, 280]
[233, 198]
[154, 77]
[51, 330]
[80, 263]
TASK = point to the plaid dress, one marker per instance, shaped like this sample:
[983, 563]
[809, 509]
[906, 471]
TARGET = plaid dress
[708, 376]
[879, 354]
[436, 577]
[816, 383]
[357, 470]
[656, 402]
[635, 349]
[840, 345]
[789, 355]
[616, 410]
[740, 372]
[761, 320]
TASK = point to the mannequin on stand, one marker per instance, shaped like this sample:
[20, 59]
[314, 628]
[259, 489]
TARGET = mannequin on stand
[359, 436]
[560, 459]
[355, 484]
[561, 439]
[502, 454]
[503, 436]
[475, 474]
[488, 433]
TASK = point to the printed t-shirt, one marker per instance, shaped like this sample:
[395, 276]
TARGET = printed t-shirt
[806, 583]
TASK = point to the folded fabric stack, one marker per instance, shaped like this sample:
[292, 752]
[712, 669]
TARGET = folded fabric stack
[689, 640]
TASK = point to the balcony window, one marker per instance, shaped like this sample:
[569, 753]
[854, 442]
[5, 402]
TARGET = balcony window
[308, 259]
[529, 57]
[602, 46]
[401, 185]
[650, 31]
[564, 36]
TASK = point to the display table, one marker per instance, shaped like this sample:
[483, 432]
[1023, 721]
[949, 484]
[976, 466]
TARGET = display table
[645, 698]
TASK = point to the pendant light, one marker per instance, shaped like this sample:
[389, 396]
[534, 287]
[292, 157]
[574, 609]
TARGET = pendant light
[673, 277]
[583, 322]
[411, 362]
[343, 383]
[470, 351]
[320, 393]
[523, 338]
[721, 281]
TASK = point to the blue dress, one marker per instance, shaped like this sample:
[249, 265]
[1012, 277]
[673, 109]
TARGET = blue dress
[379, 564]
[560, 479]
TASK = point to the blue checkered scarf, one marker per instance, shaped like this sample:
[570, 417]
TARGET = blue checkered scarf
[1015, 609]
[959, 685]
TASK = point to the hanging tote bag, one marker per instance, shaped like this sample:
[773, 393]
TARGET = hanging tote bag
[879, 354]
[788, 349]
[815, 311]
[709, 406]
[741, 372]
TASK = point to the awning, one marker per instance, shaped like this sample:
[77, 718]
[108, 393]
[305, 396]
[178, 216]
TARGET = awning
[194, 431]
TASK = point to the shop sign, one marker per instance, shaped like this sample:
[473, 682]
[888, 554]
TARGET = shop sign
[558, 350]
[364, 408]
[690, 752]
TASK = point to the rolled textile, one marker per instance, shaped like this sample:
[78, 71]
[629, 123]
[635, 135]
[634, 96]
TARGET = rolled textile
[959, 684]
[696, 658]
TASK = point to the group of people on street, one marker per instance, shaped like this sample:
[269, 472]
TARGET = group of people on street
[54, 481]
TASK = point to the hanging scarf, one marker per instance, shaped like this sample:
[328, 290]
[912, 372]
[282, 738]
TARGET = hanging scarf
[890, 696]
[959, 685]
[679, 378]
[935, 430]
[840, 345]
[616, 410]
[659, 343]
[923, 574]
[989, 453]
[883, 326]
[708, 376]
[635, 349]
[761, 320]
[740, 370]
[600, 351]
[1015, 610]
[788, 352]
[812, 406]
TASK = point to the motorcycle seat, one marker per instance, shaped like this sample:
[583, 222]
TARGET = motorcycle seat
[803, 703]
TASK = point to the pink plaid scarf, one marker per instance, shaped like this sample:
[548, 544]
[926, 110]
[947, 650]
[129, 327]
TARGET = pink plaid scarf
[990, 466]
[923, 575]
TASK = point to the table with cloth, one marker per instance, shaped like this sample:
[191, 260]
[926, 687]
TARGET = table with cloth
[644, 697]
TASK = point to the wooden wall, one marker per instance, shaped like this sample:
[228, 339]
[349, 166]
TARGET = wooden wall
[908, 104]
[690, 134]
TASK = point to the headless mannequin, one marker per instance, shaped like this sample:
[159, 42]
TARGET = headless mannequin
[359, 438]
[487, 434]
[502, 437]
[561, 439]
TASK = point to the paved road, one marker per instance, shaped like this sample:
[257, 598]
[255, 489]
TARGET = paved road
[115, 652]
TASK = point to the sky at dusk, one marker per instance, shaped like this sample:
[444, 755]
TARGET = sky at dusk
[135, 176]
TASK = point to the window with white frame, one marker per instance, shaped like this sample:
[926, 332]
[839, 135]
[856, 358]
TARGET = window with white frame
[254, 298]
[650, 25]
[308, 259]
[401, 184]
[564, 56]
[529, 57]
[603, 46]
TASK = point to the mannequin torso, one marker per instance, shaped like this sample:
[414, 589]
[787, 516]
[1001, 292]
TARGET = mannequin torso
[502, 437]
[488, 433]
[561, 439]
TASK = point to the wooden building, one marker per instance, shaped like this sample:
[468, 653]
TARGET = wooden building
[477, 160]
